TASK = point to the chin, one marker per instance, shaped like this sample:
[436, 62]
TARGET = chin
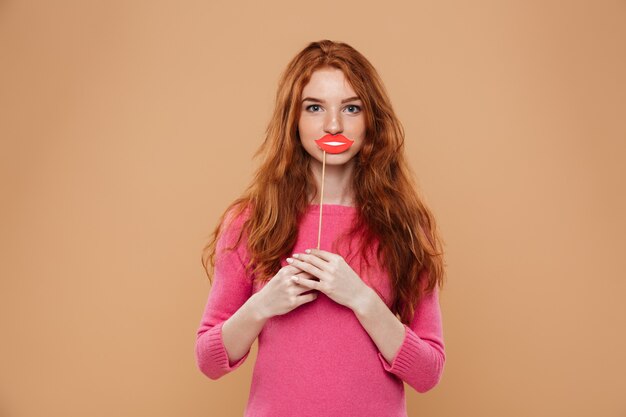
[334, 158]
[343, 161]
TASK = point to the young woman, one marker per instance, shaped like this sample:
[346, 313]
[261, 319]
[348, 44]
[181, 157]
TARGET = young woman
[339, 328]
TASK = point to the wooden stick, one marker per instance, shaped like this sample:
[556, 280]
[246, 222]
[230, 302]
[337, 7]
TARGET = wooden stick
[319, 229]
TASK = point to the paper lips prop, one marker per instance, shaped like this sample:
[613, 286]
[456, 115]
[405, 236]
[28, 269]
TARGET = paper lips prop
[334, 143]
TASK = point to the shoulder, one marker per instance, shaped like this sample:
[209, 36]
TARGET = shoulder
[236, 216]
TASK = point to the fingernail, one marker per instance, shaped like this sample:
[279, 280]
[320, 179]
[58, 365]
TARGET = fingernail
[295, 255]
[289, 260]
[308, 251]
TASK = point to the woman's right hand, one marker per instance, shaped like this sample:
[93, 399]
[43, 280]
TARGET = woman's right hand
[281, 294]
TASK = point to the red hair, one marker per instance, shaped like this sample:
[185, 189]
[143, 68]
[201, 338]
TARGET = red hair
[390, 210]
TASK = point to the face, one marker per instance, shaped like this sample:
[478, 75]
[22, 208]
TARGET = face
[328, 107]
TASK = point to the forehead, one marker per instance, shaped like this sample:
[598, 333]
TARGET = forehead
[328, 82]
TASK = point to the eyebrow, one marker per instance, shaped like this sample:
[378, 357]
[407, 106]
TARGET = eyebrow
[317, 100]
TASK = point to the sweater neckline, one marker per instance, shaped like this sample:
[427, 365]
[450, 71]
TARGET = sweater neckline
[332, 209]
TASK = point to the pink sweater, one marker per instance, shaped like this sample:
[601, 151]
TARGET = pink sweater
[317, 360]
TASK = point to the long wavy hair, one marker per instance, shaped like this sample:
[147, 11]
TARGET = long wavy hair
[389, 208]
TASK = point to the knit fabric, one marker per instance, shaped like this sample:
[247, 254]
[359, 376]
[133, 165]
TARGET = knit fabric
[317, 360]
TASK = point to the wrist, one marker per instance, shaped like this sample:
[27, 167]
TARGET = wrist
[257, 308]
[363, 301]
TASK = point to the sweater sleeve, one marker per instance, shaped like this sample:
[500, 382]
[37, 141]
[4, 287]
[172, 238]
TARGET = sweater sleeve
[420, 360]
[231, 288]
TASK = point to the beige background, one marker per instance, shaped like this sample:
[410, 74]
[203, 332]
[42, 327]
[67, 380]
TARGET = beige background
[127, 127]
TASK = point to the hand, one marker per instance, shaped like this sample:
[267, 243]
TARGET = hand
[336, 278]
[282, 294]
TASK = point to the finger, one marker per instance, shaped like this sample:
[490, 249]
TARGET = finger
[305, 291]
[312, 259]
[296, 289]
[301, 277]
[290, 270]
[307, 298]
[305, 266]
[327, 256]
[303, 274]
[308, 283]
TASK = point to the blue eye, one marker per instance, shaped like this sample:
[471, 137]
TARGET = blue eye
[358, 108]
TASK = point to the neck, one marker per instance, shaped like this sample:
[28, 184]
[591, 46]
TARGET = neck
[337, 183]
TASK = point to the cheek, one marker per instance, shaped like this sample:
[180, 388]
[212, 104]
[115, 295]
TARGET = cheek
[355, 127]
[305, 125]
[308, 136]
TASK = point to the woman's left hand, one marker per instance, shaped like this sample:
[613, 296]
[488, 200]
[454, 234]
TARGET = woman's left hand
[336, 278]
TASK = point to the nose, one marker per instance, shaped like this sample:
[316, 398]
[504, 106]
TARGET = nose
[333, 123]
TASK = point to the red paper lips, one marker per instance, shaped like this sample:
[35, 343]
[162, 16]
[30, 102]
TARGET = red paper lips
[334, 143]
